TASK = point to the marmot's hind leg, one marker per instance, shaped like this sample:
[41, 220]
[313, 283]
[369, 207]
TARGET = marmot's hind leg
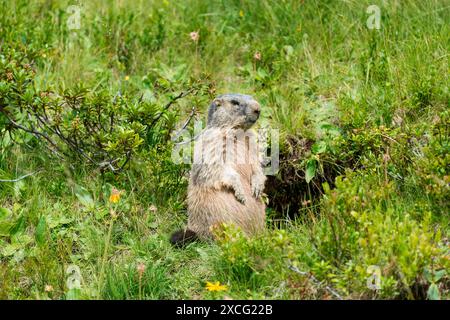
[182, 237]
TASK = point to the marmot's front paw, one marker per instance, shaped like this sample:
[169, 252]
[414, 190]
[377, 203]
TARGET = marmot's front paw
[240, 197]
[257, 184]
[257, 189]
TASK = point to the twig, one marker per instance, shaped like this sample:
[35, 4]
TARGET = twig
[179, 132]
[167, 106]
[108, 163]
[33, 132]
[190, 140]
[20, 178]
[390, 138]
[315, 281]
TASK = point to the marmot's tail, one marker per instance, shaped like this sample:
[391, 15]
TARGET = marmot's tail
[183, 237]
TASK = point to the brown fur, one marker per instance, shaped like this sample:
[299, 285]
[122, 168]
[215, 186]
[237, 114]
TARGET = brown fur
[223, 191]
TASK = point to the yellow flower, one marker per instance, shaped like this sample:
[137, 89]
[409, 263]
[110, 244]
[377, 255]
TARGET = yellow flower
[241, 13]
[115, 196]
[216, 286]
[127, 78]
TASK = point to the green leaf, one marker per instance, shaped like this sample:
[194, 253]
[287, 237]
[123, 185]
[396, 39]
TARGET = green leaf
[5, 227]
[428, 275]
[10, 249]
[310, 172]
[261, 75]
[101, 213]
[41, 230]
[53, 222]
[4, 213]
[84, 197]
[330, 129]
[434, 276]
[18, 226]
[326, 187]
[319, 147]
[439, 274]
[433, 292]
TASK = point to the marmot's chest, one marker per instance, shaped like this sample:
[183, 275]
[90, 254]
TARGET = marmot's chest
[218, 149]
[236, 148]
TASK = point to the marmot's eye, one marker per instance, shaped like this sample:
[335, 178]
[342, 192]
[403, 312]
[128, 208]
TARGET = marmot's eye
[234, 102]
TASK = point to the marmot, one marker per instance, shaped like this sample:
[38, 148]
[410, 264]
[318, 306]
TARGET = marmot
[227, 179]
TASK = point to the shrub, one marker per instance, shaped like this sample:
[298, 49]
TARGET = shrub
[258, 263]
[81, 124]
[365, 224]
[433, 166]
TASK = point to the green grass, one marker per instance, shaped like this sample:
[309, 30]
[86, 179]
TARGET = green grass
[367, 109]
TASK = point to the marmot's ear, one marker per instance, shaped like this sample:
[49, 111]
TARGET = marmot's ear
[217, 102]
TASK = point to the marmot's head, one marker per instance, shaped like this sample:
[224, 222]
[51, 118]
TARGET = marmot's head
[233, 110]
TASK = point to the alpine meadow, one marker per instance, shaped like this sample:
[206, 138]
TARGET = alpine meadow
[94, 95]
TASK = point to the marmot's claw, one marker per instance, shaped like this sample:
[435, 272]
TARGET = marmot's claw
[240, 197]
[256, 190]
